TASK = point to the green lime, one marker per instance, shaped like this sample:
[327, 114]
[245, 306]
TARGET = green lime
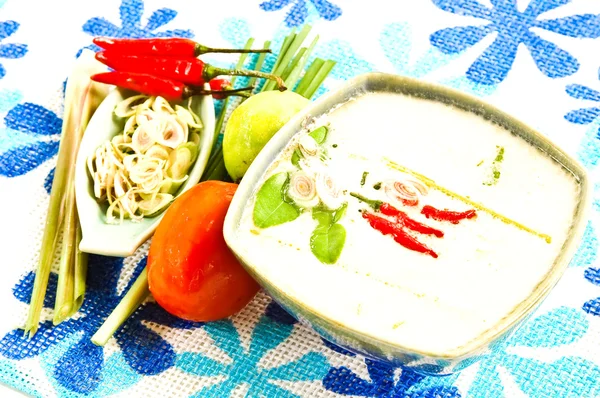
[253, 123]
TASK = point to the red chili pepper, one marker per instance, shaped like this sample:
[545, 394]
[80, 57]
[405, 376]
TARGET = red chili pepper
[405, 220]
[386, 227]
[192, 71]
[446, 215]
[220, 84]
[389, 210]
[421, 228]
[170, 47]
[171, 90]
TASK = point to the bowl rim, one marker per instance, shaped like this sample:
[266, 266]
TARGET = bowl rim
[467, 102]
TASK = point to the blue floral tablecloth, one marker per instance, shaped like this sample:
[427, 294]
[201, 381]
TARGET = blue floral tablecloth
[537, 59]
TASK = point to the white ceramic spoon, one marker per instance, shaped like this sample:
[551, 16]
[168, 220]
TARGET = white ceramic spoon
[123, 239]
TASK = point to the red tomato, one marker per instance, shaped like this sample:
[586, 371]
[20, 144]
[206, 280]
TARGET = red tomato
[192, 273]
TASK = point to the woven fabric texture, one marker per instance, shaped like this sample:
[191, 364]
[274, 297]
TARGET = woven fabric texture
[538, 60]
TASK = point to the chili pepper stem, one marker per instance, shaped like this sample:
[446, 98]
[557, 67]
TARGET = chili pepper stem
[188, 91]
[200, 49]
[374, 204]
[211, 72]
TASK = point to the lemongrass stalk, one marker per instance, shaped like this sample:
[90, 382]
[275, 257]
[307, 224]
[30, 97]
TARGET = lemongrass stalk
[238, 65]
[309, 76]
[217, 171]
[65, 292]
[220, 173]
[217, 151]
[285, 46]
[82, 96]
[260, 62]
[129, 304]
[289, 54]
[218, 158]
[293, 77]
[66, 275]
[81, 262]
[318, 80]
[295, 61]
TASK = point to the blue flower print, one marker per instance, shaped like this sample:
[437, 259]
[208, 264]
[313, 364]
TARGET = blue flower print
[31, 136]
[244, 366]
[299, 11]
[593, 306]
[589, 150]
[396, 42]
[8, 99]
[10, 51]
[116, 375]
[561, 378]
[587, 114]
[588, 255]
[142, 349]
[513, 27]
[131, 12]
[11, 375]
[36, 132]
[383, 382]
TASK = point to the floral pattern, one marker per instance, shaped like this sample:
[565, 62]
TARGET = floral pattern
[8, 99]
[31, 131]
[8, 367]
[593, 306]
[512, 28]
[587, 114]
[396, 41]
[131, 12]
[587, 255]
[553, 379]
[589, 151]
[383, 382]
[143, 350]
[243, 367]
[10, 50]
[43, 128]
[299, 10]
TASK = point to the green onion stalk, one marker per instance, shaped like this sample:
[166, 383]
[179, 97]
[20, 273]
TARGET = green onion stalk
[82, 97]
[289, 65]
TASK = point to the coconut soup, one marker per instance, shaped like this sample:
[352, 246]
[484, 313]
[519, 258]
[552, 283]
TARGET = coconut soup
[409, 220]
